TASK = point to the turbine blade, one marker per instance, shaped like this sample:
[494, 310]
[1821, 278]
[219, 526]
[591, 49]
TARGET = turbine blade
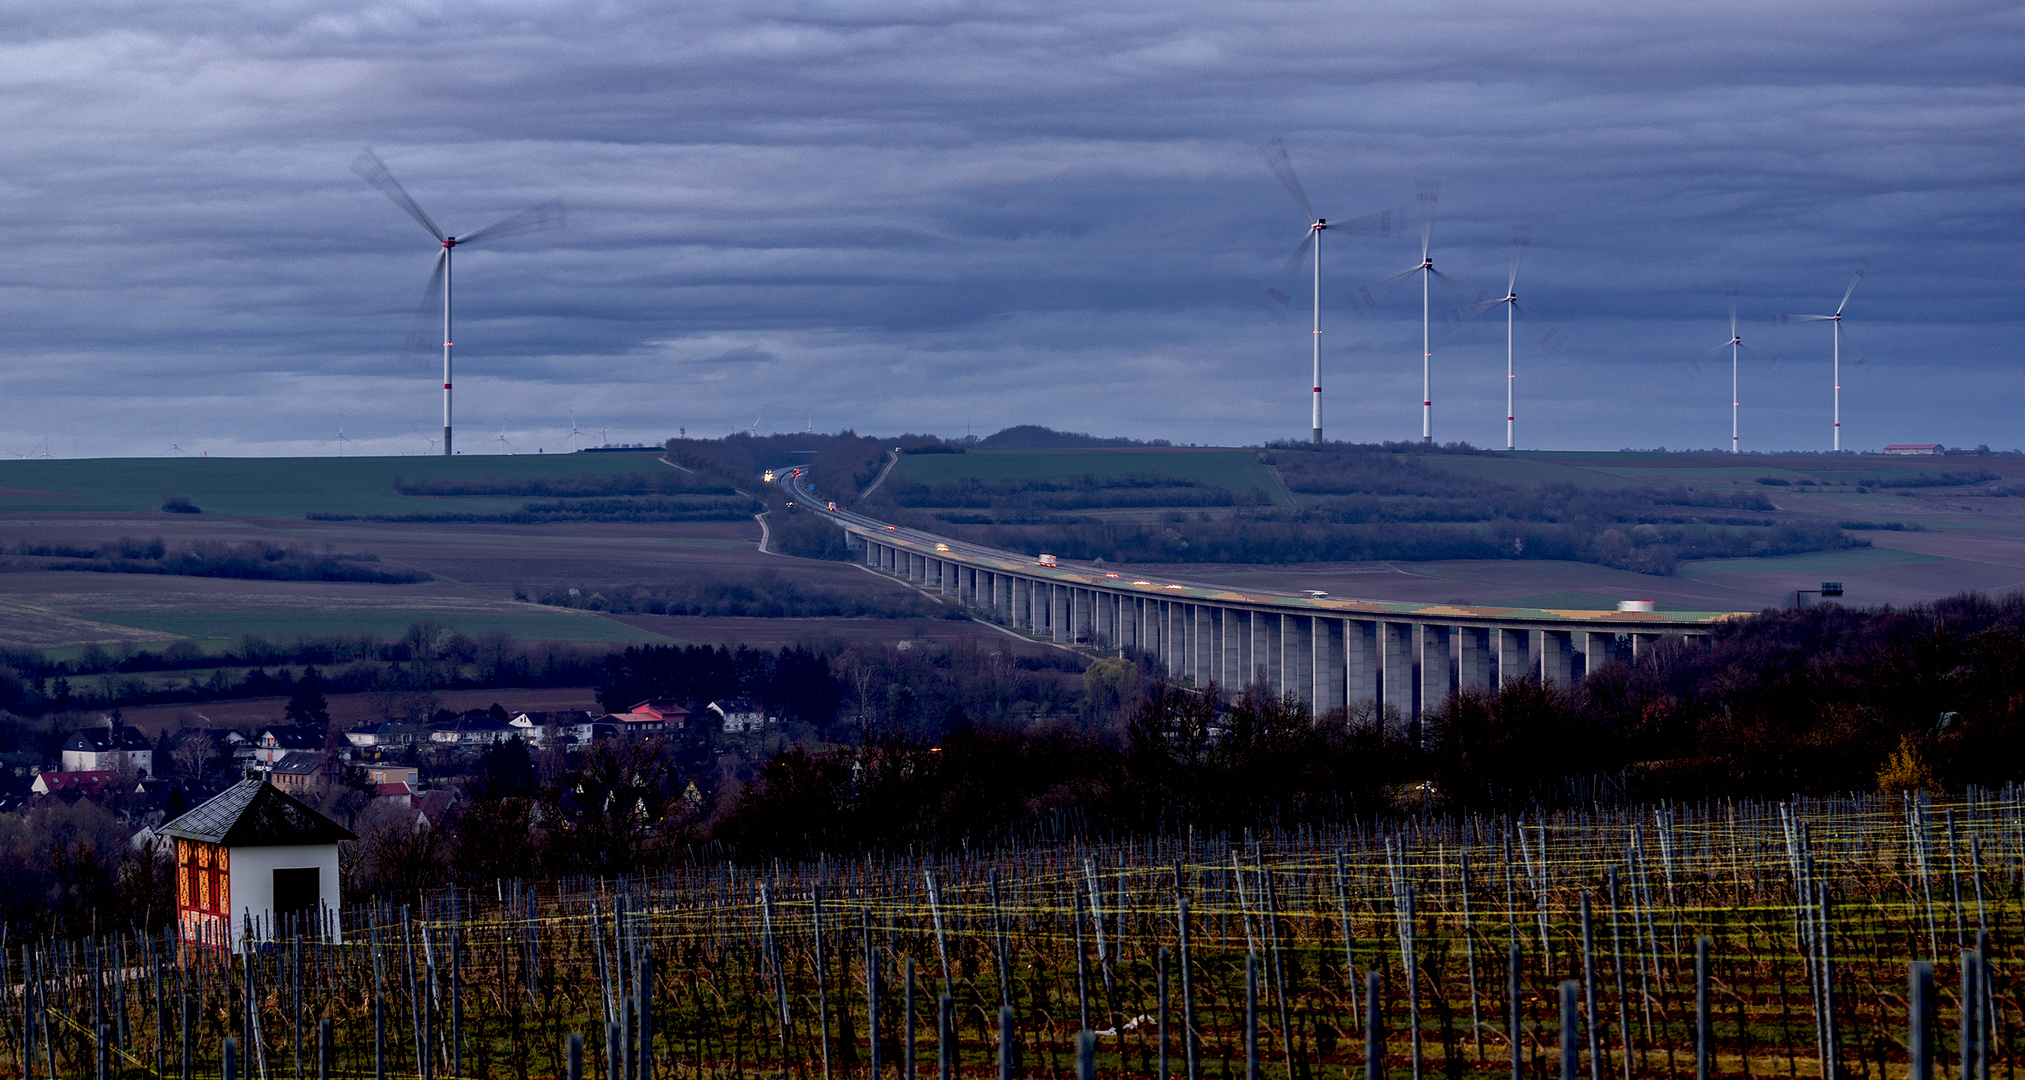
[1520, 242]
[1486, 302]
[1299, 257]
[1370, 296]
[426, 334]
[1862, 268]
[541, 217]
[1275, 154]
[1713, 353]
[374, 171]
[1384, 223]
[1730, 294]
[1848, 343]
[1451, 284]
[1428, 192]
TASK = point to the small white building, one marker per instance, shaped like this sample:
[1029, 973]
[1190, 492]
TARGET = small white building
[255, 860]
[110, 747]
[739, 716]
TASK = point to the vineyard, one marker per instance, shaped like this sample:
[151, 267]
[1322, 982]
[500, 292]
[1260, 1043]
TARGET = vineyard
[1728, 939]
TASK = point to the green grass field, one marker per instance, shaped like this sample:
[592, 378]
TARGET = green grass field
[283, 487]
[1820, 562]
[214, 629]
[1238, 470]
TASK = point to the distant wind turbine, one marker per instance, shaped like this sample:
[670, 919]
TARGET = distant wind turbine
[1379, 224]
[574, 431]
[539, 218]
[341, 440]
[1840, 335]
[505, 446]
[1429, 192]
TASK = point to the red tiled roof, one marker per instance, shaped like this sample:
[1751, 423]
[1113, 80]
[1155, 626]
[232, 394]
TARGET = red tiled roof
[90, 782]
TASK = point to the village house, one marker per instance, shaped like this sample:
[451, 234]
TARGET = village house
[93, 782]
[389, 733]
[279, 741]
[255, 861]
[738, 716]
[90, 749]
[297, 772]
[650, 717]
[533, 726]
[472, 731]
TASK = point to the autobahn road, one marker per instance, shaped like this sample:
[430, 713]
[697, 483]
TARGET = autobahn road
[1008, 562]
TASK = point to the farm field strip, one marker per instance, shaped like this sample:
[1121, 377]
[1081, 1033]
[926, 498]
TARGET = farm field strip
[1176, 952]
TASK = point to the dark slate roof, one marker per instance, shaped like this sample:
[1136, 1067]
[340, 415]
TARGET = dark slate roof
[100, 740]
[255, 813]
[296, 736]
[299, 763]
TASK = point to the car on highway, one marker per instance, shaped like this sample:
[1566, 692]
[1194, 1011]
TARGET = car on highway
[942, 547]
[1049, 560]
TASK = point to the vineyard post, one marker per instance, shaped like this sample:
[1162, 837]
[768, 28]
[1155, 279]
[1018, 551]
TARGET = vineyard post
[945, 1036]
[1252, 1016]
[1589, 988]
[229, 1059]
[323, 1049]
[907, 1046]
[872, 996]
[644, 988]
[576, 1056]
[1617, 967]
[1512, 1016]
[1086, 1055]
[1374, 1029]
[1972, 984]
[1350, 943]
[1571, 1053]
[1190, 1048]
[822, 986]
[1161, 1021]
[1005, 1042]
[1470, 953]
[1704, 1034]
[1920, 1020]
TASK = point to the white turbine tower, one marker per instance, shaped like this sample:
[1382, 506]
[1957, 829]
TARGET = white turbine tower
[1370, 296]
[575, 431]
[539, 218]
[1511, 303]
[1379, 224]
[1840, 336]
[1734, 345]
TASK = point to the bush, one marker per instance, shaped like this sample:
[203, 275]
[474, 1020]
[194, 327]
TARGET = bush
[176, 504]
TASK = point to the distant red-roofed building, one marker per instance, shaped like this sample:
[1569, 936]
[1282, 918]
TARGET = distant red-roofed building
[398, 793]
[650, 716]
[92, 782]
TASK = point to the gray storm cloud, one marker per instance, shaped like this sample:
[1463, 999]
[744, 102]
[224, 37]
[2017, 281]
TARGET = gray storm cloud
[949, 217]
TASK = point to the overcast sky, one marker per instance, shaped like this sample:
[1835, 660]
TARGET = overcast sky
[955, 217]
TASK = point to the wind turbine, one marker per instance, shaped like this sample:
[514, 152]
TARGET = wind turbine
[538, 218]
[505, 446]
[1428, 193]
[1862, 267]
[341, 440]
[574, 431]
[1379, 224]
[1735, 344]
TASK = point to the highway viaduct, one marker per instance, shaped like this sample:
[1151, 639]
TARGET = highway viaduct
[1328, 651]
